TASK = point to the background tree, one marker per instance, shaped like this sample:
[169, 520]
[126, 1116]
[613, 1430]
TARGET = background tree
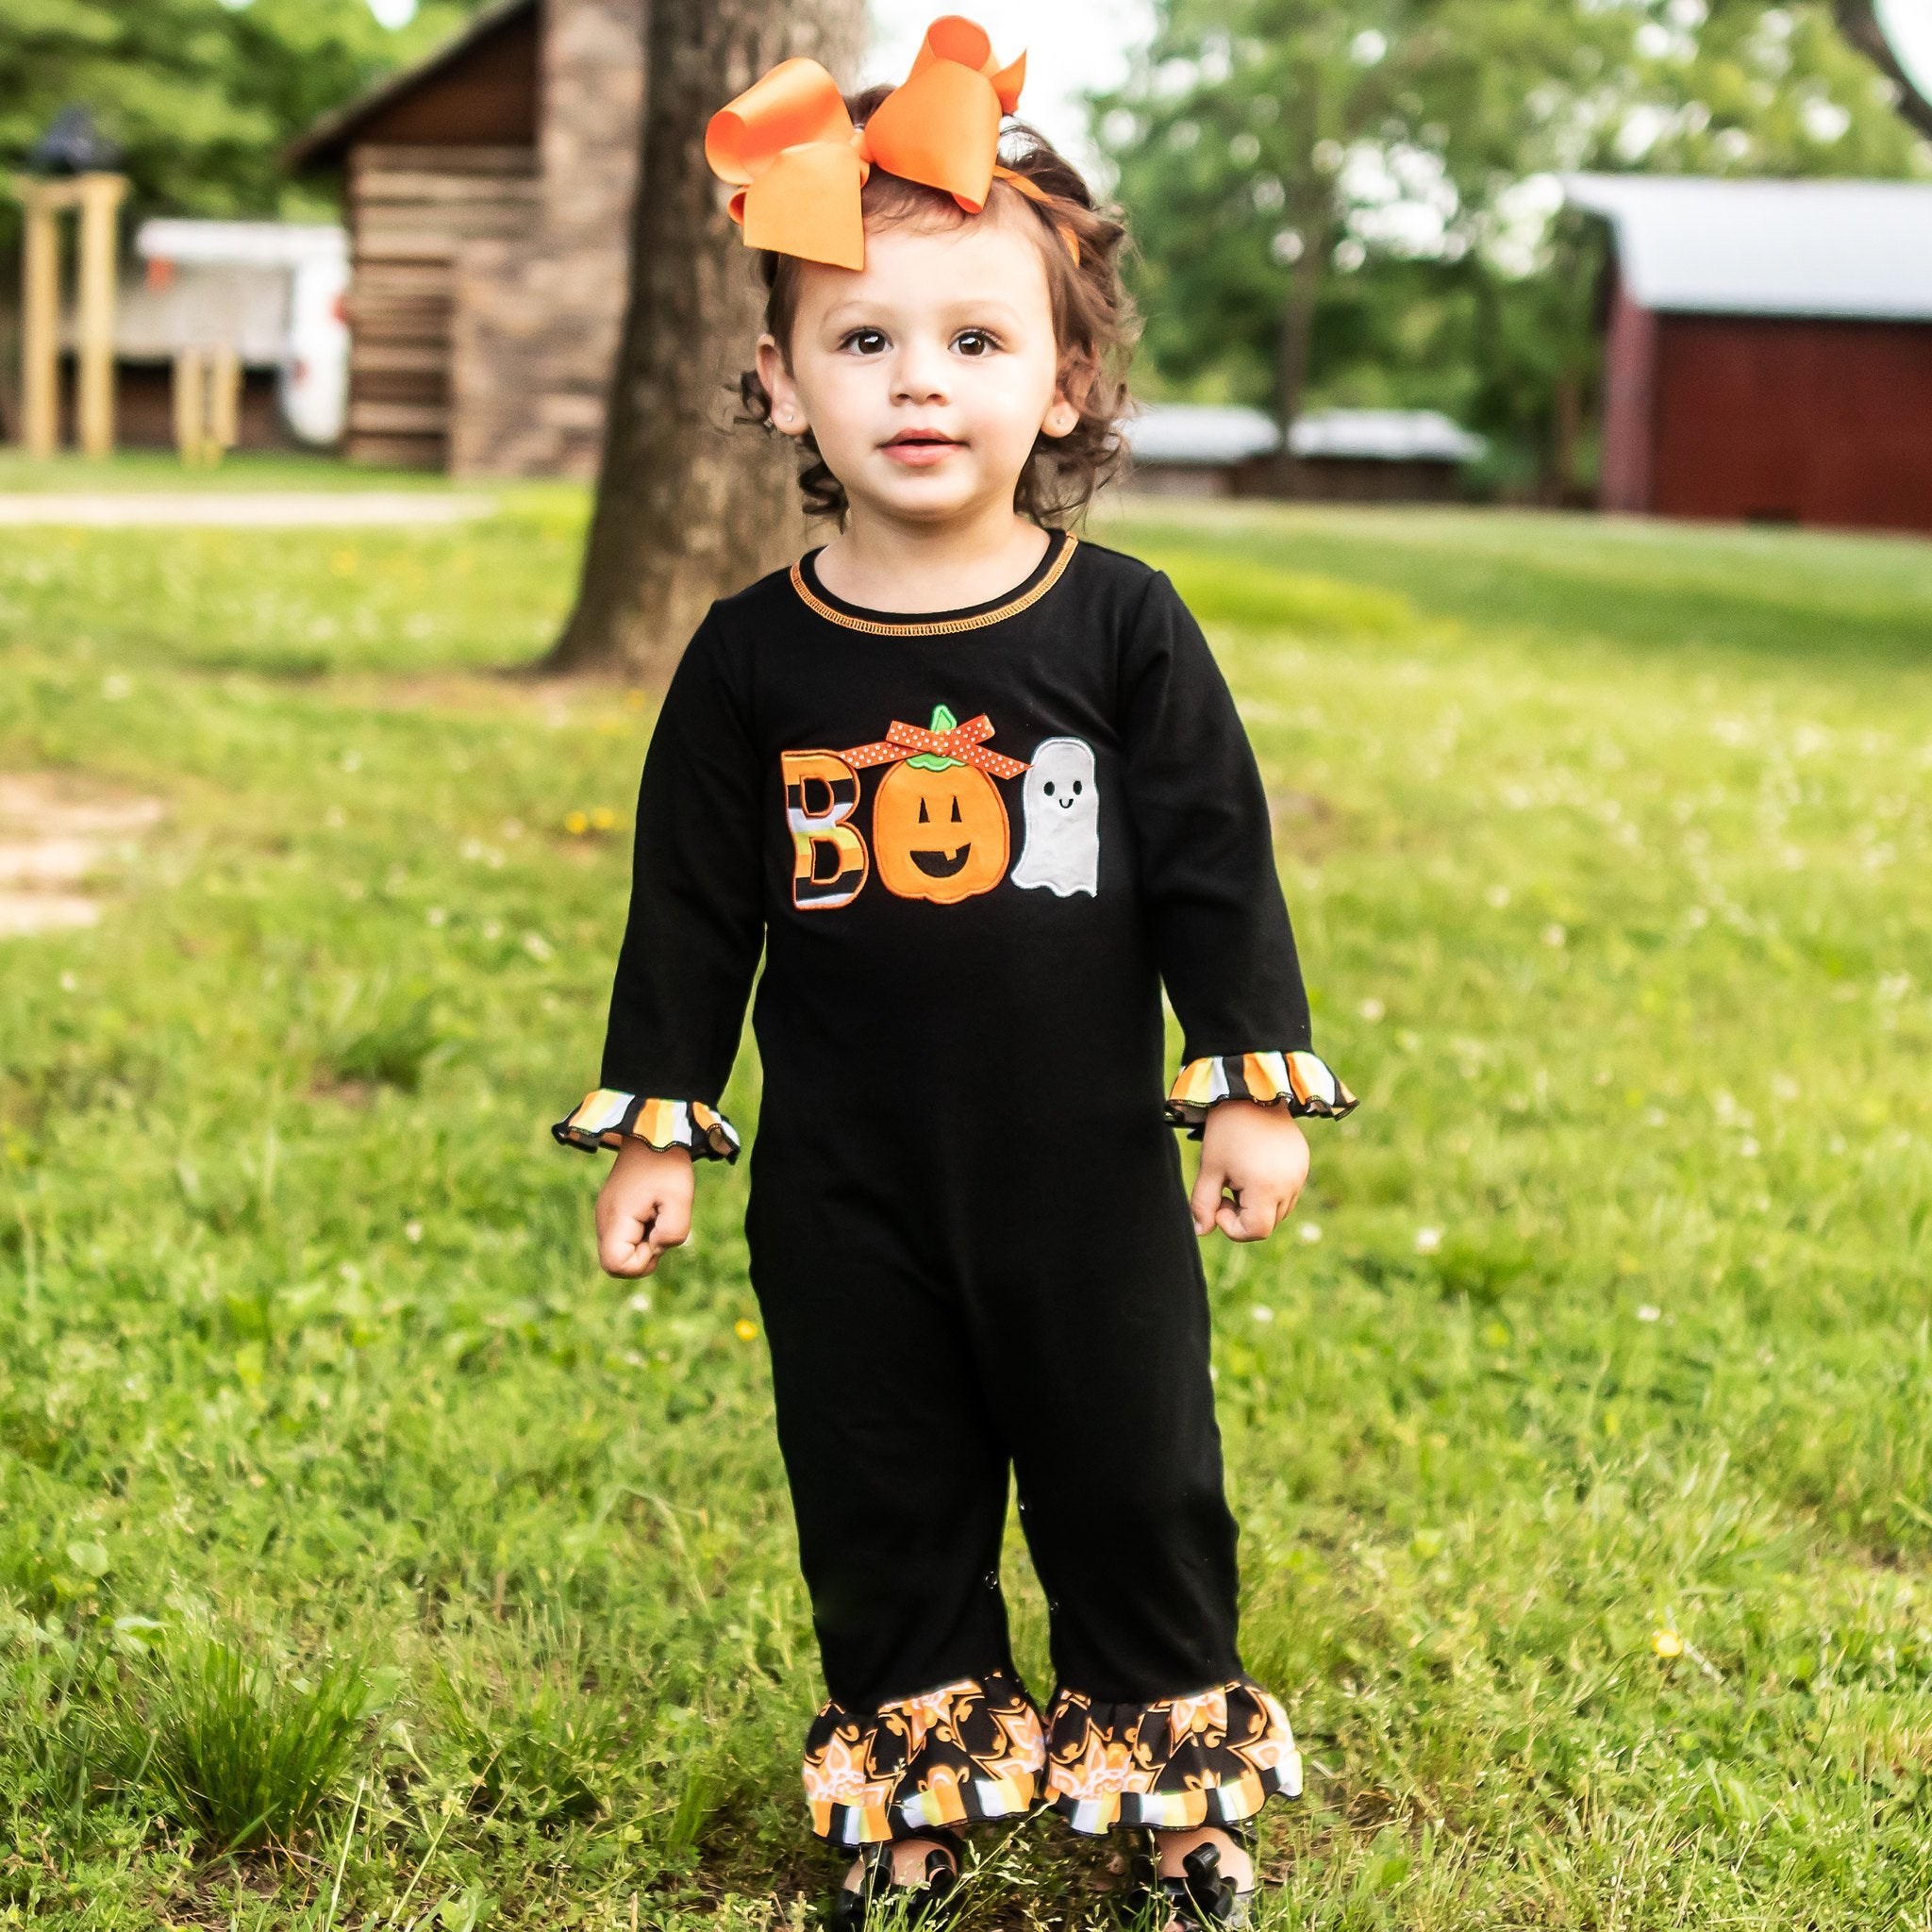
[1361, 192]
[200, 95]
[688, 508]
[1873, 35]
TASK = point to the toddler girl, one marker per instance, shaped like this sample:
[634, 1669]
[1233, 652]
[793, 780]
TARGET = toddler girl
[977, 788]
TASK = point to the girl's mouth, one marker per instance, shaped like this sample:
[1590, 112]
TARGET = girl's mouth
[919, 447]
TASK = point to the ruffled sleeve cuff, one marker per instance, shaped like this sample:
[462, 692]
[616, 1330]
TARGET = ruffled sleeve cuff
[1301, 1081]
[608, 1119]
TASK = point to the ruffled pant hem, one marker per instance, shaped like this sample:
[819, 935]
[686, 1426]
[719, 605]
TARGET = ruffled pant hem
[977, 1750]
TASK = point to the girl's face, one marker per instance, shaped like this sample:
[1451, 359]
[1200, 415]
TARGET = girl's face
[927, 374]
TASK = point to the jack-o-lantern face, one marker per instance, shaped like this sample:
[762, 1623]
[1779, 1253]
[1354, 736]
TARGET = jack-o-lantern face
[938, 833]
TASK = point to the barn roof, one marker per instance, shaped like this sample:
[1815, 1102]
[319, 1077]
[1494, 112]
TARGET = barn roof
[1734, 247]
[329, 138]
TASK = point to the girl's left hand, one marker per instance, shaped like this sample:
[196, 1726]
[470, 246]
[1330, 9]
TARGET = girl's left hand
[1256, 1155]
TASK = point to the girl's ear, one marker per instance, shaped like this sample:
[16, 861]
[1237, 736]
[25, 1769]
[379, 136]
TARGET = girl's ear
[788, 414]
[1064, 413]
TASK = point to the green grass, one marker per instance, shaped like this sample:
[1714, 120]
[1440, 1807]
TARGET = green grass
[1607, 1315]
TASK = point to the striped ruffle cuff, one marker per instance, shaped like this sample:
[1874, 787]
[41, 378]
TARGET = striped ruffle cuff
[969, 1750]
[608, 1119]
[1212, 1758]
[1300, 1080]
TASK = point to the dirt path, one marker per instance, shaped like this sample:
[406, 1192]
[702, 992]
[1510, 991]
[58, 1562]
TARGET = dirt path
[56, 834]
[269, 509]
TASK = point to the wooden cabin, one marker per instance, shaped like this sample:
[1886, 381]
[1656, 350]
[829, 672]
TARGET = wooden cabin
[487, 194]
[1768, 351]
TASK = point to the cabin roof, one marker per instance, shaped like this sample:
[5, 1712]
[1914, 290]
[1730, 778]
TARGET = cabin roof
[326, 141]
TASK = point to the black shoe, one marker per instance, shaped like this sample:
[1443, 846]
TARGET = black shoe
[923, 1904]
[1199, 1899]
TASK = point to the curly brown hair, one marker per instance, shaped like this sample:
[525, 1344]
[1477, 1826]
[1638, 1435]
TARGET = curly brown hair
[1093, 319]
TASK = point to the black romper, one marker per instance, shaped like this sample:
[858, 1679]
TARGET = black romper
[972, 846]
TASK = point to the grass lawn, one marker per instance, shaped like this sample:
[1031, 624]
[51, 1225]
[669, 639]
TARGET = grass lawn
[1581, 1425]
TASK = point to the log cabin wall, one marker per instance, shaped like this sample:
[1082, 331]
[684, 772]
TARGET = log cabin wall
[488, 195]
[412, 209]
[538, 318]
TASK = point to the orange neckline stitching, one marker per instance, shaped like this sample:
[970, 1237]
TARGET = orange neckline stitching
[942, 626]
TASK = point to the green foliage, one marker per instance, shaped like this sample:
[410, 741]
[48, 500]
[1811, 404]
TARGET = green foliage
[202, 95]
[240, 1753]
[538, 1736]
[382, 1035]
[1375, 155]
[1600, 842]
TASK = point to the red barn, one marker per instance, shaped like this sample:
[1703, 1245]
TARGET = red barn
[1769, 354]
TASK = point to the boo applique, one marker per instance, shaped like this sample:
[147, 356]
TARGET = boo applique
[940, 829]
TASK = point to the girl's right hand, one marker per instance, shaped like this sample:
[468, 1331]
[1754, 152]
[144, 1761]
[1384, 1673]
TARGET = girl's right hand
[643, 1208]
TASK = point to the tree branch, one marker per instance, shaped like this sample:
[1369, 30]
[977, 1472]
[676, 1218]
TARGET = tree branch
[1858, 22]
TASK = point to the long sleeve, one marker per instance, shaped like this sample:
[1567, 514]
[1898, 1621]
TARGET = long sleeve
[696, 928]
[1221, 929]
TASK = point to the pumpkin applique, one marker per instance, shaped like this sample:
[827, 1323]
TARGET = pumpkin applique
[940, 830]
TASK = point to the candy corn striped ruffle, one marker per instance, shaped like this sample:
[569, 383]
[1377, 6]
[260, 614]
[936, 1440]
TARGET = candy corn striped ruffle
[970, 1750]
[608, 1119]
[1214, 1757]
[1302, 1080]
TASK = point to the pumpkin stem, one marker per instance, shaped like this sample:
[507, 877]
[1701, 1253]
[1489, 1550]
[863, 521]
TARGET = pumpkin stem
[942, 720]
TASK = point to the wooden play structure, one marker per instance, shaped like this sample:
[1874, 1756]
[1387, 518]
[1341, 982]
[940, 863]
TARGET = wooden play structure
[95, 200]
[207, 404]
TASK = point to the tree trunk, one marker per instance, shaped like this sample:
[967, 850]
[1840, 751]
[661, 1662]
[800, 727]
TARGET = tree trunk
[1566, 430]
[1859, 23]
[690, 506]
[1295, 341]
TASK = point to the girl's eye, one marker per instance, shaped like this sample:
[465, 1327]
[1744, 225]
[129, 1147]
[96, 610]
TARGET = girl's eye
[868, 342]
[974, 342]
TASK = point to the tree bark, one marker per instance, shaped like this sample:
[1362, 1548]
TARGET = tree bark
[1296, 340]
[690, 506]
[1858, 22]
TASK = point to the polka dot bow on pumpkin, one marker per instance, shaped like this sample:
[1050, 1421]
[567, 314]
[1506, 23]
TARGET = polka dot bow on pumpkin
[948, 742]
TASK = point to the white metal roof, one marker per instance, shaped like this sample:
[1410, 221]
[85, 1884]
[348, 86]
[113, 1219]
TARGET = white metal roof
[239, 244]
[1390, 435]
[1830, 249]
[1199, 433]
[1210, 433]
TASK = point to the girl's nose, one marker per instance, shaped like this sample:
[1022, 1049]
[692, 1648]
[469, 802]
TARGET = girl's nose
[919, 376]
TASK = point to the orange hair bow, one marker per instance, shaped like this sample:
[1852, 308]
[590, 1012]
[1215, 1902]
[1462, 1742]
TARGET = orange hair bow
[788, 148]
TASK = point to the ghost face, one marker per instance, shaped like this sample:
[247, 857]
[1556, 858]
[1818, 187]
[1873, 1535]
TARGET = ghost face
[1062, 805]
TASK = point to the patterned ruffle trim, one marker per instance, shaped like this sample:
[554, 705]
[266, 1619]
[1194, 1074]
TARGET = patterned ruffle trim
[970, 1750]
[608, 1119]
[1301, 1080]
[1212, 1758]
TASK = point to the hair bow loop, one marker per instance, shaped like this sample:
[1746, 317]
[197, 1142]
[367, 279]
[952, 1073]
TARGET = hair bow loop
[789, 146]
[955, 38]
[942, 125]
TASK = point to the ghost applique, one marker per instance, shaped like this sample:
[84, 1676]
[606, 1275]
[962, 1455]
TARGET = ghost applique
[1063, 807]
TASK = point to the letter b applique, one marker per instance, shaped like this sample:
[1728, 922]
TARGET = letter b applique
[829, 859]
